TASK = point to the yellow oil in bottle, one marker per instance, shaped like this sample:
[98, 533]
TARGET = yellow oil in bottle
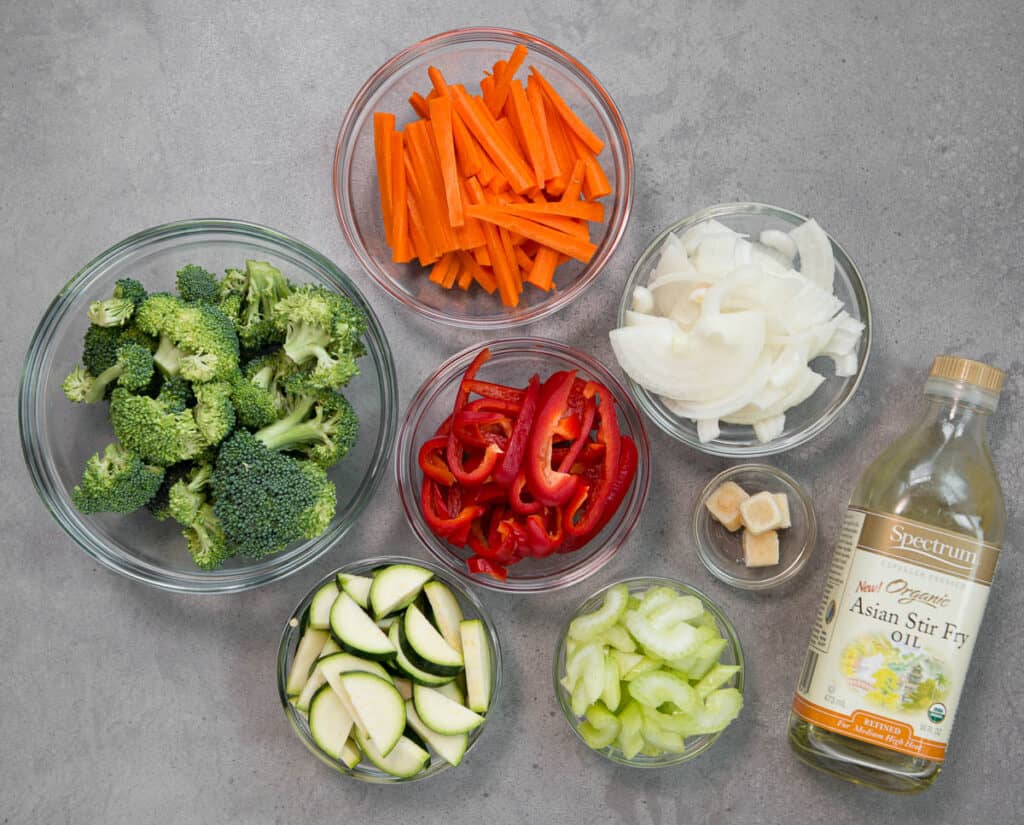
[905, 594]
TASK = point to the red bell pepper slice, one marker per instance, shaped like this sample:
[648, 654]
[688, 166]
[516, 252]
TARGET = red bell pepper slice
[515, 497]
[454, 449]
[487, 493]
[510, 408]
[496, 391]
[542, 541]
[475, 564]
[462, 396]
[441, 523]
[508, 468]
[549, 486]
[589, 412]
[479, 428]
[628, 458]
[432, 461]
[585, 511]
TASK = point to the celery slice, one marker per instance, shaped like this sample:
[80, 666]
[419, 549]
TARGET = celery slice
[682, 609]
[611, 695]
[590, 625]
[679, 640]
[716, 677]
[630, 739]
[658, 687]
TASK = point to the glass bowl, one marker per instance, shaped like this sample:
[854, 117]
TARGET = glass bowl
[804, 421]
[462, 55]
[57, 437]
[732, 655]
[722, 552]
[513, 361]
[365, 771]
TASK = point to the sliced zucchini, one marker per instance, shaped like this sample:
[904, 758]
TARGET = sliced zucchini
[396, 587]
[306, 653]
[418, 676]
[403, 685]
[452, 691]
[385, 623]
[441, 714]
[329, 722]
[350, 754]
[316, 677]
[406, 759]
[476, 652]
[446, 611]
[355, 630]
[358, 587]
[425, 647]
[377, 708]
[338, 663]
[320, 606]
[451, 748]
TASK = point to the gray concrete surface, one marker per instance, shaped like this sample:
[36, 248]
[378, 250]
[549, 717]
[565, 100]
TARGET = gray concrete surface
[898, 124]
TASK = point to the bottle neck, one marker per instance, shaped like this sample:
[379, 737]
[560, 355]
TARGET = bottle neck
[958, 410]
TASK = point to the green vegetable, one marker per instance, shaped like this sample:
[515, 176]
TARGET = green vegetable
[116, 311]
[147, 427]
[188, 494]
[206, 540]
[196, 284]
[197, 340]
[116, 482]
[214, 412]
[249, 299]
[132, 369]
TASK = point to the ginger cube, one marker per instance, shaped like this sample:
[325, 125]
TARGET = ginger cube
[760, 513]
[761, 549]
[724, 505]
[783, 501]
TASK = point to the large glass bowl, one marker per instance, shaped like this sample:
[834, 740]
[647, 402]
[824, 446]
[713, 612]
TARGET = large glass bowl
[462, 56]
[804, 421]
[513, 361]
[365, 771]
[732, 655]
[57, 436]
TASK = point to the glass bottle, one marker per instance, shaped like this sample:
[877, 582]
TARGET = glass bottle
[905, 594]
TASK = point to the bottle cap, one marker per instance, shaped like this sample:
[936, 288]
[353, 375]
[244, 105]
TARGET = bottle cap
[954, 368]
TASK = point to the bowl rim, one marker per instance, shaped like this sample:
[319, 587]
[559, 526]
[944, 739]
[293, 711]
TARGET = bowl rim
[216, 582]
[292, 630]
[725, 625]
[666, 423]
[405, 451]
[620, 208]
[707, 555]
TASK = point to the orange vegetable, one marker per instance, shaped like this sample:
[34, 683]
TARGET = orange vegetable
[441, 124]
[559, 241]
[383, 126]
[569, 117]
[401, 249]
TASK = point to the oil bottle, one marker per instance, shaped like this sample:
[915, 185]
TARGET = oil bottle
[905, 594]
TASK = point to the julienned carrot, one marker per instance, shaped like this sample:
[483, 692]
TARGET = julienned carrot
[580, 210]
[480, 275]
[521, 116]
[441, 124]
[535, 96]
[595, 182]
[466, 151]
[504, 75]
[437, 79]
[481, 125]
[401, 250]
[570, 118]
[542, 273]
[428, 176]
[576, 248]
[419, 104]
[440, 270]
[563, 148]
[383, 126]
[495, 251]
[574, 185]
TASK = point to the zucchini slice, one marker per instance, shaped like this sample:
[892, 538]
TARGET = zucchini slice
[418, 676]
[404, 760]
[355, 630]
[451, 748]
[329, 723]
[446, 610]
[320, 606]
[425, 647]
[377, 708]
[306, 653]
[441, 714]
[338, 663]
[476, 652]
[396, 587]
[350, 754]
[358, 587]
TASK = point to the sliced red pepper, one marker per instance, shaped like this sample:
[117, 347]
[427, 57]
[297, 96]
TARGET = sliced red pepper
[480, 428]
[568, 429]
[589, 412]
[585, 512]
[475, 564]
[462, 396]
[628, 458]
[541, 540]
[545, 483]
[510, 408]
[479, 474]
[432, 461]
[435, 512]
[508, 467]
[591, 454]
[515, 497]
[487, 493]
[496, 391]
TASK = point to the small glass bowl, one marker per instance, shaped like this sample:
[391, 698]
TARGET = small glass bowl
[722, 552]
[365, 771]
[732, 655]
[513, 361]
[463, 55]
[58, 437]
[804, 421]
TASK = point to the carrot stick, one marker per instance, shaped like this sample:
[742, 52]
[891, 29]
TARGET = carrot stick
[441, 124]
[465, 279]
[509, 133]
[535, 97]
[568, 116]
[452, 275]
[508, 248]
[401, 251]
[542, 273]
[482, 127]
[440, 270]
[575, 182]
[424, 242]
[419, 105]
[567, 225]
[487, 90]
[525, 261]
[580, 210]
[471, 233]
[595, 182]
[481, 254]
[428, 175]
[521, 115]
[480, 275]
[466, 151]
[563, 149]
[383, 126]
[503, 79]
[559, 241]
[437, 79]
[499, 263]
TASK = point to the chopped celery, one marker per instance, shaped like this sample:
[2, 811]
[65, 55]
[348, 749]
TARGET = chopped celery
[626, 661]
[715, 678]
[618, 637]
[682, 609]
[645, 665]
[656, 597]
[612, 693]
[672, 643]
[631, 720]
[591, 625]
[663, 740]
[658, 687]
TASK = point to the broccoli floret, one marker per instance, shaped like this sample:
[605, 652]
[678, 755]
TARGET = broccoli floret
[197, 340]
[323, 330]
[99, 349]
[116, 311]
[196, 284]
[159, 504]
[265, 500]
[319, 424]
[214, 412]
[206, 540]
[119, 481]
[249, 298]
[175, 394]
[257, 392]
[188, 494]
[145, 426]
[317, 518]
[133, 370]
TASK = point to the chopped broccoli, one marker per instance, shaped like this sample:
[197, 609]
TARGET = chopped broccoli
[197, 340]
[323, 330]
[320, 424]
[99, 350]
[188, 494]
[265, 500]
[214, 412]
[133, 370]
[249, 299]
[317, 518]
[145, 426]
[257, 393]
[196, 284]
[116, 311]
[119, 481]
[175, 394]
[206, 540]
[159, 504]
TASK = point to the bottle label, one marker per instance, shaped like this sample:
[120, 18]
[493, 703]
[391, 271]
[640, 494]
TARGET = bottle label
[894, 633]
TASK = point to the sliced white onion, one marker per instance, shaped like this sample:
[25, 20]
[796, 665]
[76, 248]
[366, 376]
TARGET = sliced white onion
[673, 259]
[780, 242]
[635, 319]
[768, 429]
[846, 365]
[643, 300]
[815, 249]
[708, 430]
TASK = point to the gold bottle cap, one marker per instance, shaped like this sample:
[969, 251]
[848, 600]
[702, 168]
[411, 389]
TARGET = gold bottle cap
[954, 368]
